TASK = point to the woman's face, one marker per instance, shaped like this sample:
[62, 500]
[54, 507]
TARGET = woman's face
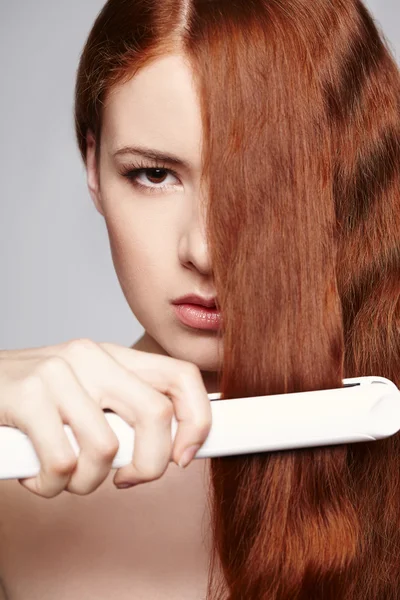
[157, 232]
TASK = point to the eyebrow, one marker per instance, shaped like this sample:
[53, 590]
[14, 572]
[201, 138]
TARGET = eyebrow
[153, 154]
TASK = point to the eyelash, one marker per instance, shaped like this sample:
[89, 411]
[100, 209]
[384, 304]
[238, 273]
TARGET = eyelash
[132, 171]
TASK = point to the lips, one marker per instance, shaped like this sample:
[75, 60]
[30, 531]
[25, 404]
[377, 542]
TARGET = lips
[198, 300]
[198, 312]
[198, 317]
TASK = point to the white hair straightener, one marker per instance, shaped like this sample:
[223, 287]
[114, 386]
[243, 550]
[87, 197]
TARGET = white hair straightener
[365, 409]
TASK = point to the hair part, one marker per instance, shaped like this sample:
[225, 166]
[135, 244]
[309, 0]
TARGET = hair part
[301, 116]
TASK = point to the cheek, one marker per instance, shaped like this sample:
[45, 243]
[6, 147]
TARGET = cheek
[143, 257]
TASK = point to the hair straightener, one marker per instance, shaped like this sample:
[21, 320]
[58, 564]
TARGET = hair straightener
[364, 409]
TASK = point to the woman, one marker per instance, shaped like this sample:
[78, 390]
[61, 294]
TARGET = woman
[282, 122]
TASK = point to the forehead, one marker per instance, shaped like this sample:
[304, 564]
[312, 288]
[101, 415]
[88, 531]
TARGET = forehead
[158, 107]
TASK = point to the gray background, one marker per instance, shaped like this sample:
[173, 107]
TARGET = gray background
[57, 280]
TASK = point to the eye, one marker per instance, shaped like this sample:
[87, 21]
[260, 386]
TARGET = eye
[154, 175]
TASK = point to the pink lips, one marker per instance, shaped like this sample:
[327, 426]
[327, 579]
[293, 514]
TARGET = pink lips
[198, 312]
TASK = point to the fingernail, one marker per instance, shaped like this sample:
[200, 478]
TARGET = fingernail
[122, 486]
[188, 455]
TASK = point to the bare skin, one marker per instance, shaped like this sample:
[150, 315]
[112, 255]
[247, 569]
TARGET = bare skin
[149, 542]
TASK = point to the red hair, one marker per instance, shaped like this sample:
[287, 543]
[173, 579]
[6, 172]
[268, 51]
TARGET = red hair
[300, 104]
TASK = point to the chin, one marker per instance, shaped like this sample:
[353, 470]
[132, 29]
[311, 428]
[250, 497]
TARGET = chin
[204, 350]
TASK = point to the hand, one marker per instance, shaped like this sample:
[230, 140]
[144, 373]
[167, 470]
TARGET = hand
[41, 389]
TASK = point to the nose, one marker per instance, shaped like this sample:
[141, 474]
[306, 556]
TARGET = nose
[193, 247]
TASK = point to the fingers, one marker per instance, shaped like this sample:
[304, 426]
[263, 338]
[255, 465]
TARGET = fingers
[153, 441]
[97, 442]
[182, 382]
[148, 411]
[72, 383]
[58, 398]
[39, 418]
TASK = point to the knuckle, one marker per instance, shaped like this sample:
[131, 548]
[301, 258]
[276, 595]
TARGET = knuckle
[188, 372]
[192, 370]
[160, 410]
[77, 345]
[79, 490]
[51, 366]
[62, 465]
[106, 449]
[32, 386]
[148, 473]
[48, 494]
[82, 491]
[204, 428]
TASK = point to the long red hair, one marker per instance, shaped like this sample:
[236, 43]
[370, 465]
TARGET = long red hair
[300, 104]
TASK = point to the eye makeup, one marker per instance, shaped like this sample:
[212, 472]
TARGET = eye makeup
[133, 170]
